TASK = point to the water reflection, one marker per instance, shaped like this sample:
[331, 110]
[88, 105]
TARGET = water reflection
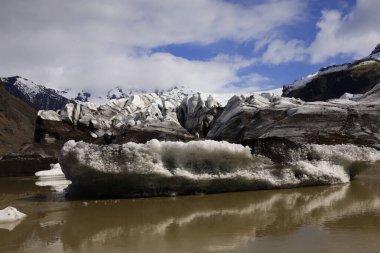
[226, 222]
[56, 184]
[210, 221]
[10, 225]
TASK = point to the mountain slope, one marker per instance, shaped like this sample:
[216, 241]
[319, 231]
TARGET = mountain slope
[332, 82]
[38, 96]
[17, 122]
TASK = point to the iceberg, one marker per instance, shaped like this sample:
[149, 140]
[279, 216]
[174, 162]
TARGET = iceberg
[199, 167]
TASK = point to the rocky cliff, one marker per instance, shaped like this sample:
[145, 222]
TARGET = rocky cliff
[289, 122]
[334, 81]
[17, 122]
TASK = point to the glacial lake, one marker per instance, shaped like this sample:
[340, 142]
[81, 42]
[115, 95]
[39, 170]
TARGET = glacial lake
[340, 218]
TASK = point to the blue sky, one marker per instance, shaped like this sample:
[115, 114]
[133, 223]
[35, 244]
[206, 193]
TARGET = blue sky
[207, 45]
[278, 74]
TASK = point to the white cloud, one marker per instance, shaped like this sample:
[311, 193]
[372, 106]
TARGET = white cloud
[356, 33]
[161, 70]
[279, 51]
[248, 83]
[94, 44]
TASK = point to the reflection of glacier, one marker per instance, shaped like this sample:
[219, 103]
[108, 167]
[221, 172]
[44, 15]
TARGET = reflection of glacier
[215, 222]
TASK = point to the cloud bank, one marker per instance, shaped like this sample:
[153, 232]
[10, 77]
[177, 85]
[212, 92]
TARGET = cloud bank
[96, 45]
[353, 34]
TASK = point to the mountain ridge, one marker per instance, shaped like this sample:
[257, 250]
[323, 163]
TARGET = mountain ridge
[38, 96]
[331, 82]
[17, 122]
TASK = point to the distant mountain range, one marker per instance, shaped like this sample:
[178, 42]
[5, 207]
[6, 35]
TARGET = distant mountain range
[43, 98]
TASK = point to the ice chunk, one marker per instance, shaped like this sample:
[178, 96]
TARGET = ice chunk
[55, 170]
[160, 168]
[10, 214]
[350, 96]
[49, 115]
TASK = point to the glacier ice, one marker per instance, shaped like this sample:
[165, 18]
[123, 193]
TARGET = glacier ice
[165, 168]
[54, 171]
[10, 214]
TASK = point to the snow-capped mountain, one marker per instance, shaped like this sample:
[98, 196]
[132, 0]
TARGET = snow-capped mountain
[38, 96]
[83, 96]
[334, 81]
[375, 54]
[120, 92]
[298, 84]
[43, 98]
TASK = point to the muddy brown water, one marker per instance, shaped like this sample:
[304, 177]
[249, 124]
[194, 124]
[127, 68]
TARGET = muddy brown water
[340, 218]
